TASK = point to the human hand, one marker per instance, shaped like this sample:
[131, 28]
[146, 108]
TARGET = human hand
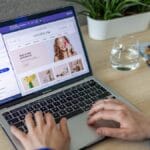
[134, 125]
[68, 46]
[45, 133]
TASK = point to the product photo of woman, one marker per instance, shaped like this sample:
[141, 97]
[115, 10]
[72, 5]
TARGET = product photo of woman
[63, 49]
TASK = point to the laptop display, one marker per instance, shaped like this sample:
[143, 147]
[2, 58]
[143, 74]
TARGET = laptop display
[39, 52]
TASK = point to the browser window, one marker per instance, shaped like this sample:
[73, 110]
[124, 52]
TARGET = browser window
[41, 53]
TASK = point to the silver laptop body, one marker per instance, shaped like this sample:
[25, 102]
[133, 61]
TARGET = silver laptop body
[31, 70]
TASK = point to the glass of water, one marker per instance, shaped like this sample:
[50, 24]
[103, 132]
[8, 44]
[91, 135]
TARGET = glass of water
[125, 54]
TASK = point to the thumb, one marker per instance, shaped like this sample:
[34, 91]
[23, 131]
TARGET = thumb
[112, 132]
[21, 136]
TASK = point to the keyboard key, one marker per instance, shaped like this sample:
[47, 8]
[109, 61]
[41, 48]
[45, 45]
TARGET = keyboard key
[56, 103]
[87, 101]
[43, 108]
[82, 93]
[55, 99]
[75, 91]
[55, 109]
[68, 93]
[104, 90]
[23, 111]
[74, 113]
[80, 99]
[56, 115]
[100, 91]
[62, 112]
[7, 116]
[91, 82]
[86, 96]
[50, 105]
[75, 101]
[87, 108]
[61, 107]
[80, 89]
[75, 107]
[43, 103]
[62, 96]
[18, 124]
[22, 117]
[85, 85]
[69, 98]
[68, 104]
[13, 121]
[69, 109]
[98, 86]
[36, 106]
[75, 96]
[69, 115]
[92, 94]
[81, 104]
[107, 93]
[29, 109]
[63, 101]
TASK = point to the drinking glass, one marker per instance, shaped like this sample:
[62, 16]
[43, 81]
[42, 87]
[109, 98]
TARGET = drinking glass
[125, 54]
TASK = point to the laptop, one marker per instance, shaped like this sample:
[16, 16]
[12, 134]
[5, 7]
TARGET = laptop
[44, 67]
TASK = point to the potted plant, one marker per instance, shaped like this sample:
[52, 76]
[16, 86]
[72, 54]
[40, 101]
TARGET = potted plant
[111, 18]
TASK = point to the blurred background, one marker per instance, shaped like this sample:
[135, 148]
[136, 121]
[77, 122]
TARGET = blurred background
[14, 8]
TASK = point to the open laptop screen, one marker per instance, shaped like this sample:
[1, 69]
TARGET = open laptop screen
[38, 52]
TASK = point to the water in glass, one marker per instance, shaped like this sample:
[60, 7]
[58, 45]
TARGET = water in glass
[125, 55]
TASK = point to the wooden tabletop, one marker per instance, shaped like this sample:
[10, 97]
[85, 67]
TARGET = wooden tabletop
[133, 85]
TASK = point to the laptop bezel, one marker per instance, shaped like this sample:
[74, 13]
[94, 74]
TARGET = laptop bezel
[57, 86]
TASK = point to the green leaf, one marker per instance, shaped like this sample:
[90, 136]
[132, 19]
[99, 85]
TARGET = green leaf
[109, 9]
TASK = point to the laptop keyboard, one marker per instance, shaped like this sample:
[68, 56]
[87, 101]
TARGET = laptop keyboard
[67, 103]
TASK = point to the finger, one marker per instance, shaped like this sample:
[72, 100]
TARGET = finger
[105, 104]
[107, 100]
[105, 115]
[64, 128]
[39, 119]
[21, 136]
[112, 132]
[50, 121]
[114, 101]
[29, 121]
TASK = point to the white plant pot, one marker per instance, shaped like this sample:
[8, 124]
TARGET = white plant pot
[105, 29]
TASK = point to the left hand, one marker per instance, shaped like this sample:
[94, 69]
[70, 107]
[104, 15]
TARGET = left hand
[45, 133]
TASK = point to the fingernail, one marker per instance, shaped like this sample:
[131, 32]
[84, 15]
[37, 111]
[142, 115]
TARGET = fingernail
[64, 119]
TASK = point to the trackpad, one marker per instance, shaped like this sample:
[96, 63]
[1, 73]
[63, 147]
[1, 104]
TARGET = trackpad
[81, 134]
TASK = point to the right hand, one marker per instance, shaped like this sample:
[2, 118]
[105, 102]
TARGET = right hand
[43, 133]
[134, 125]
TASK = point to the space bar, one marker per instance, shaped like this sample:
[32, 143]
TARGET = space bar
[71, 114]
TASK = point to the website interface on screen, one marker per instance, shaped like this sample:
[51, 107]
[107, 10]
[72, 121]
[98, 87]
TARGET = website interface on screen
[39, 53]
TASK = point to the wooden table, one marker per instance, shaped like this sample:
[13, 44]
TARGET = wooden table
[133, 85]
